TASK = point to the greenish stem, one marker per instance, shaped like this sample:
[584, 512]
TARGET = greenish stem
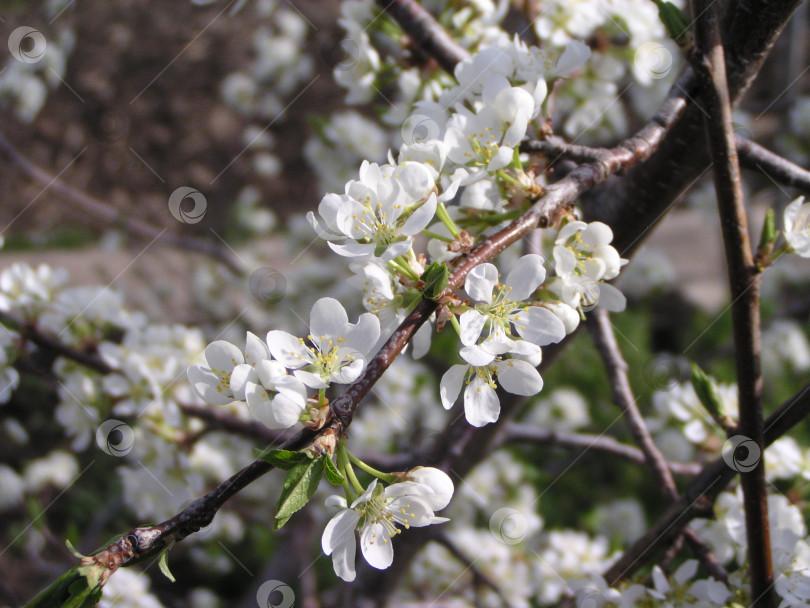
[386, 477]
[438, 237]
[441, 213]
[348, 473]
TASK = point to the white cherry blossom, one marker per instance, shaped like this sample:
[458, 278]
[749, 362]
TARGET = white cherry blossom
[338, 350]
[481, 403]
[797, 226]
[377, 512]
[500, 306]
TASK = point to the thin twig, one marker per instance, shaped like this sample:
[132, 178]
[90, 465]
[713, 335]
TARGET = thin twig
[49, 342]
[710, 68]
[752, 156]
[519, 433]
[699, 496]
[758, 158]
[616, 367]
[131, 225]
[423, 29]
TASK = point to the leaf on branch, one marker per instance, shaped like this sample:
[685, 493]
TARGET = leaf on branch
[333, 476]
[71, 590]
[163, 564]
[283, 459]
[299, 486]
[436, 277]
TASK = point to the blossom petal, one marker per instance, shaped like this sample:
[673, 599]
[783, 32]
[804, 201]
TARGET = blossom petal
[527, 275]
[420, 218]
[205, 383]
[610, 298]
[519, 378]
[477, 356]
[472, 323]
[377, 547]
[539, 325]
[481, 403]
[450, 385]
[327, 319]
[288, 349]
[338, 539]
[223, 356]
[481, 281]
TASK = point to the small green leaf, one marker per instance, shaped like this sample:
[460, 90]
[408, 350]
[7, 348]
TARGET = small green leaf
[283, 459]
[673, 19]
[436, 276]
[709, 395]
[163, 564]
[299, 486]
[333, 476]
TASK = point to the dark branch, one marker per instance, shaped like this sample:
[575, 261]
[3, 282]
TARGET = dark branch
[779, 169]
[519, 433]
[710, 68]
[423, 29]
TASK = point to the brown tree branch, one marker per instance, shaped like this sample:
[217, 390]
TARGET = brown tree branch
[518, 433]
[710, 69]
[131, 225]
[423, 29]
[699, 496]
[616, 367]
[752, 156]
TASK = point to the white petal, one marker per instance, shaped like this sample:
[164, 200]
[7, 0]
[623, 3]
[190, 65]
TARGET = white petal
[241, 375]
[575, 55]
[481, 404]
[539, 325]
[471, 322]
[481, 281]
[527, 275]
[340, 530]
[352, 249]
[610, 298]
[420, 218]
[310, 379]
[519, 378]
[223, 356]
[421, 341]
[450, 385]
[439, 481]
[205, 383]
[255, 349]
[504, 155]
[288, 349]
[376, 546]
[327, 319]
[596, 234]
[269, 372]
[476, 356]
[351, 371]
[364, 334]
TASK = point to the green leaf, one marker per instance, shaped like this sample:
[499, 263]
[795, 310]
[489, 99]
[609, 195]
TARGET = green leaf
[163, 564]
[299, 486]
[71, 590]
[333, 476]
[673, 19]
[283, 459]
[435, 277]
[709, 395]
